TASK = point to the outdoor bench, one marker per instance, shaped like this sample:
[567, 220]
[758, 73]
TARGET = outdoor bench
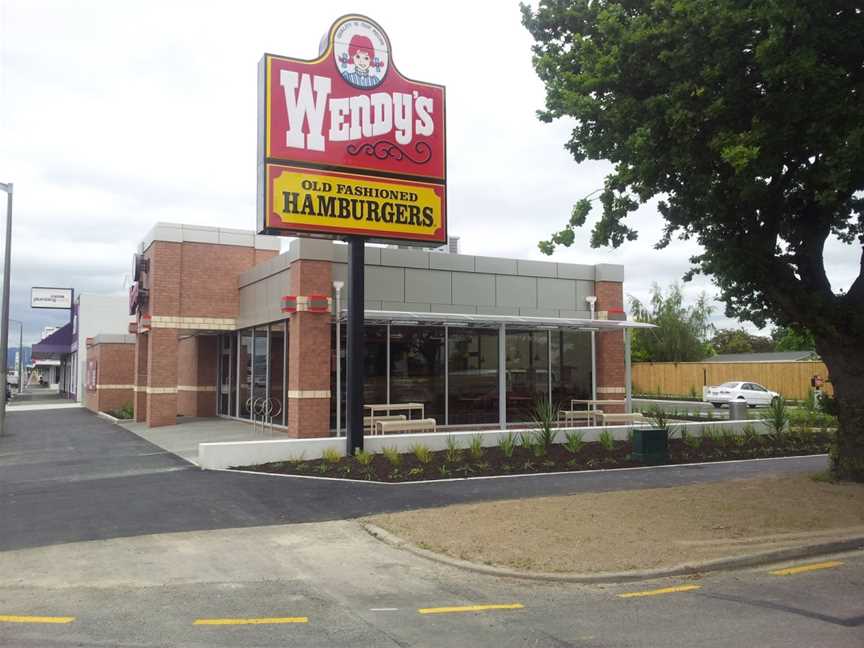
[417, 425]
[621, 418]
[367, 420]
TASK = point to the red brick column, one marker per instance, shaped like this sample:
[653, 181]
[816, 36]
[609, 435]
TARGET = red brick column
[610, 347]
[162, 377]
[140, 397]
[206, 361]
[309, 354]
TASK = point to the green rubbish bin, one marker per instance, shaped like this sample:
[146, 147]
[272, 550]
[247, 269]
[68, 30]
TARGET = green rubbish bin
[650, 445]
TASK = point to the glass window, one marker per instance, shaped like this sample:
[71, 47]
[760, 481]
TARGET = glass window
[472, 376]
[571, 366]
[417, 368]
[527, 372]
[277, 372]
[244, 373]
[226, 374]
[259, 390]
[375, 368]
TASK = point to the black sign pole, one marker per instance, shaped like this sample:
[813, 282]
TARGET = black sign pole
[356, 344]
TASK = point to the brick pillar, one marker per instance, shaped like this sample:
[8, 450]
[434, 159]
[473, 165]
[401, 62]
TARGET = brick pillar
[162, 377]
[206, 363]
[140, 397]
[309, 354]
[610, 347]
[187, 369]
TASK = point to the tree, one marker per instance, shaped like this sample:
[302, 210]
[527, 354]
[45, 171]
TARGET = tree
[746, 120]
[681, 333]
[792, 338]
[740, 341]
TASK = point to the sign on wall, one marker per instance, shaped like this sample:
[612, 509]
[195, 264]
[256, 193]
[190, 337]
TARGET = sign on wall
[348, 145]
[60, 298]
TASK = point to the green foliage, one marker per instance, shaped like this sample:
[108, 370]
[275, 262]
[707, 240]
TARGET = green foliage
[364, 458]
[777, 416]
[475, 447]
[682, 331]
[392, 455]
[737, 117]
[658, 417]
[573, 441]
[330, 456]
[750, 435]
[792, 338]
[710, 433]
[545, 415]
[453, 452]
[422, 453]
[740, 341]
[124, 413]
[507, 444]
[692, 441]
[607, 440]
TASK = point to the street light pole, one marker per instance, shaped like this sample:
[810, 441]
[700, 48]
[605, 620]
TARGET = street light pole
[4, 339]
[20, 354]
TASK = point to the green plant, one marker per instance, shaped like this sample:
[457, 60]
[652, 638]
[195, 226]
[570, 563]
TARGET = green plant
[482, 466]
[692, 441]
[330, 456]
[545, 415]
[416, 471]
[692, 391]
[777, 416]
[392, 455]
[507, 444]
[475, 447]
[452, 453]
[573, 441]
[728, 437]
[607, 440]
[296, 459]
[422, 452]
[364, 458]
[444, 470]
[749, 434]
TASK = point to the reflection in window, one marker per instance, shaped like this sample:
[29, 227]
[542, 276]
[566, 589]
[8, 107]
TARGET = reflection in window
[244, 372]
[277, 372]
[472, 376]
[571, 366]
[527, 373]
[417, 368]
[226, 373]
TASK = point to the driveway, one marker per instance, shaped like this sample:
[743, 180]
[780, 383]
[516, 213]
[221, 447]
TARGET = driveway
[68, 475]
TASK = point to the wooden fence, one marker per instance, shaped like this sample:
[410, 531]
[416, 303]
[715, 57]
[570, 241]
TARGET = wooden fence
[790, 379]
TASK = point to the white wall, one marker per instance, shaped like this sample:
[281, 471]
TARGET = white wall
[98, 314]
[250, 453]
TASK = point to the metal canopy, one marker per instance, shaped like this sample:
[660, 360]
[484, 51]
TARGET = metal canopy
[493, 321]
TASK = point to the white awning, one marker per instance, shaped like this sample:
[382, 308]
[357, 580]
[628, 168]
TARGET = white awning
[477, 320]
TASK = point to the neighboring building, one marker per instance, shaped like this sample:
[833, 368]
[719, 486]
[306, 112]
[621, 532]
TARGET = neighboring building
[48, 330]
[91, 314]
[476, 340]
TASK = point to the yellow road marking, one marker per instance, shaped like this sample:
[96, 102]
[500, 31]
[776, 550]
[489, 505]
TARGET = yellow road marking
[789, 571]
[470, 608]
[14, 618]
[259, 621]
[664, 590]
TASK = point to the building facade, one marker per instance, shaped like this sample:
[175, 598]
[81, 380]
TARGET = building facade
[476, 340]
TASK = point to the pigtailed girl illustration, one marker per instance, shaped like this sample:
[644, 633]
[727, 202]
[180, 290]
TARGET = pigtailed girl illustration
[362, 54]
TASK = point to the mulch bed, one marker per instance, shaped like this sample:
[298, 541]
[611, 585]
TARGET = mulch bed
[556, 458]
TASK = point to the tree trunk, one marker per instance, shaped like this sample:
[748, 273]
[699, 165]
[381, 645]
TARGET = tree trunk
[845, 362]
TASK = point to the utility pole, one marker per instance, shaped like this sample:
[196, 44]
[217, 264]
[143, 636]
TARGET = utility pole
[4, 341]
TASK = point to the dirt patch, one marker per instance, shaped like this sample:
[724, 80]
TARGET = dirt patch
[639, 529]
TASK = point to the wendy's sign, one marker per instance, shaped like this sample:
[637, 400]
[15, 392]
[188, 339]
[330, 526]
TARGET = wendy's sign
[349, 146]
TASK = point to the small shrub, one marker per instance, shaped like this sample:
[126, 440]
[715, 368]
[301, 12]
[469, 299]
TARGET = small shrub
[750, 435]
[573, 441]
[416, 471]
[452, 453]
[444, 470]
[692, 441]
[607, 440]
[727, 437]
[507, 444]
[330, 456]
[709, 433]
[296, 459]
[482, 466]
[422, 453]
[364, 458]
[475, 447]
[392, 455]
[777, 416]
[545, 415]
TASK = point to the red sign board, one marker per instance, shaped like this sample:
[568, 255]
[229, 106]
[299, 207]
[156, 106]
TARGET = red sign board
[350, 110]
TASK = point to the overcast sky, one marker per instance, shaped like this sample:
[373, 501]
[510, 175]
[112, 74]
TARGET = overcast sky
[115, 115]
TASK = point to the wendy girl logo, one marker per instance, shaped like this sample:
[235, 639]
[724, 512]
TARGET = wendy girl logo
[361, 53]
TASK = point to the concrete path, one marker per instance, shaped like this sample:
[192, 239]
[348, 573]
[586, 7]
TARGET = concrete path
[331, 585]
[68, 476]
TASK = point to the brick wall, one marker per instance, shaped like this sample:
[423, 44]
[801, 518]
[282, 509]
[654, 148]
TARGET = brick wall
[115, 375]
[610, 347]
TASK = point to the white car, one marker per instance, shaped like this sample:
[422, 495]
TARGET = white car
[738, 391]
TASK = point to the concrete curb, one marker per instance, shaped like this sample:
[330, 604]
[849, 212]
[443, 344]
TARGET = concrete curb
[106, 415]
[720, 564]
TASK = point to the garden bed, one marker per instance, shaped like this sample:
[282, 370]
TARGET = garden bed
[529, 456]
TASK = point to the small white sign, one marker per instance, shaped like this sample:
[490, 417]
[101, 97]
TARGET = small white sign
[51, 298]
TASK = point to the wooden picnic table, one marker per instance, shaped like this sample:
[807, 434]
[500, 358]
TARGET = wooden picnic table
[389, 408]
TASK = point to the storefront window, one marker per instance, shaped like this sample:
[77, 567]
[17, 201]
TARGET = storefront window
[226, 373]
[244, 373]
[375, 388]
[571, 366]
[278, 373]
[472, 376]
[259, 391]
[527, 373]
[417, 368]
